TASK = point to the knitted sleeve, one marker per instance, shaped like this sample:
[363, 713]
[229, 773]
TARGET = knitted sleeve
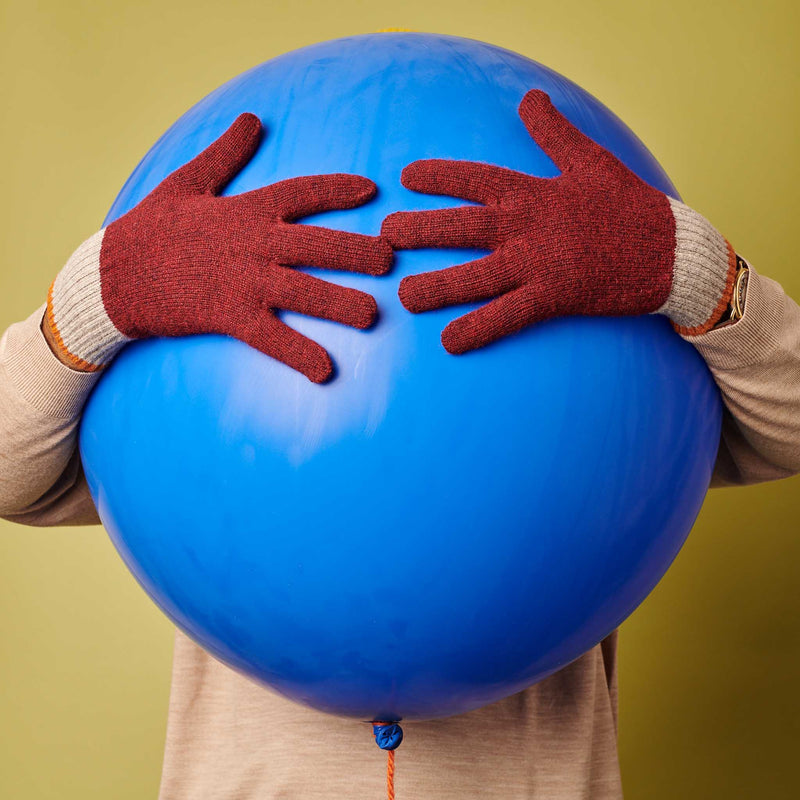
[41, 478]
[756, 364]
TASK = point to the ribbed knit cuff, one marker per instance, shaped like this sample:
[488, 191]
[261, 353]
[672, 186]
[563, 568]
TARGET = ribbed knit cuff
[86, 337]
[38, 376]
[703, 273]
[751, 339]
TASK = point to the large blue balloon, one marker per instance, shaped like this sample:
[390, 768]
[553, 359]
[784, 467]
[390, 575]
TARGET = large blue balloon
[427, 533]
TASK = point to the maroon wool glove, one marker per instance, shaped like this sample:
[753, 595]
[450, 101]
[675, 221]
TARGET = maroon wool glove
[187, 261]
[596, 240]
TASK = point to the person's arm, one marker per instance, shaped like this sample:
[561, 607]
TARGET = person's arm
[756, 364]
[183, 261]
[41, 478]
[597, 240]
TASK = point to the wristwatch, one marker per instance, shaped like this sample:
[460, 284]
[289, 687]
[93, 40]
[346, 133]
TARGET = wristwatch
[735, 310]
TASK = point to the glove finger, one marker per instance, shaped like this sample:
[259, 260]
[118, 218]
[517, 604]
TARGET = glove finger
[563, 143]
[277, 340]
[464, 283]
[465, 226]
[306, 294]
[313, 194]
[506, 315]
[312, 246]
[222, 160]
[470, 180]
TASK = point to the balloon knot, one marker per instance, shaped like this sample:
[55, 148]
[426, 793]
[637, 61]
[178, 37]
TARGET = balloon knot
[388, 735]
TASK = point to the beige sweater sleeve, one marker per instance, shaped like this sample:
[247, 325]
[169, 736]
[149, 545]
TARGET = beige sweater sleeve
[41, 477]
[756, 364]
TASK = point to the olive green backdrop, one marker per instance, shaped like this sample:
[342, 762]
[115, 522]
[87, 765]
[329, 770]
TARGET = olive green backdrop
[710, 700]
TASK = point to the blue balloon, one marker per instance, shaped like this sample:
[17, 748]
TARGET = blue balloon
[427, 533]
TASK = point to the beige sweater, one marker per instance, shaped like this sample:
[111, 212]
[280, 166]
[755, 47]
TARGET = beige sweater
[229, 739]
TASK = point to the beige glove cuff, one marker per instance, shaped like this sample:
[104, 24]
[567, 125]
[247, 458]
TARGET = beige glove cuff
[85, 336]
[703, 273]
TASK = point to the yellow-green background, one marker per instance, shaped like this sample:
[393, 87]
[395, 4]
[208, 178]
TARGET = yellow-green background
[710, 702]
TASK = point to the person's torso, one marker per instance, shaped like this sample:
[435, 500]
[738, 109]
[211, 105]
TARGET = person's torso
[231, 739]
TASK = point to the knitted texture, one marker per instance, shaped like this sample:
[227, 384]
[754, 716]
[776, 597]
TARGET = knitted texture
[703, 273]
[75, 311]
[186, 261]
[595, 240]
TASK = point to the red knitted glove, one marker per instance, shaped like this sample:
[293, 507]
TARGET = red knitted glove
[187, 261]
[596, 240]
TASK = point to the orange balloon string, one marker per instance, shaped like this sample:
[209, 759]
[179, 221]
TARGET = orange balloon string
[390, 776]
